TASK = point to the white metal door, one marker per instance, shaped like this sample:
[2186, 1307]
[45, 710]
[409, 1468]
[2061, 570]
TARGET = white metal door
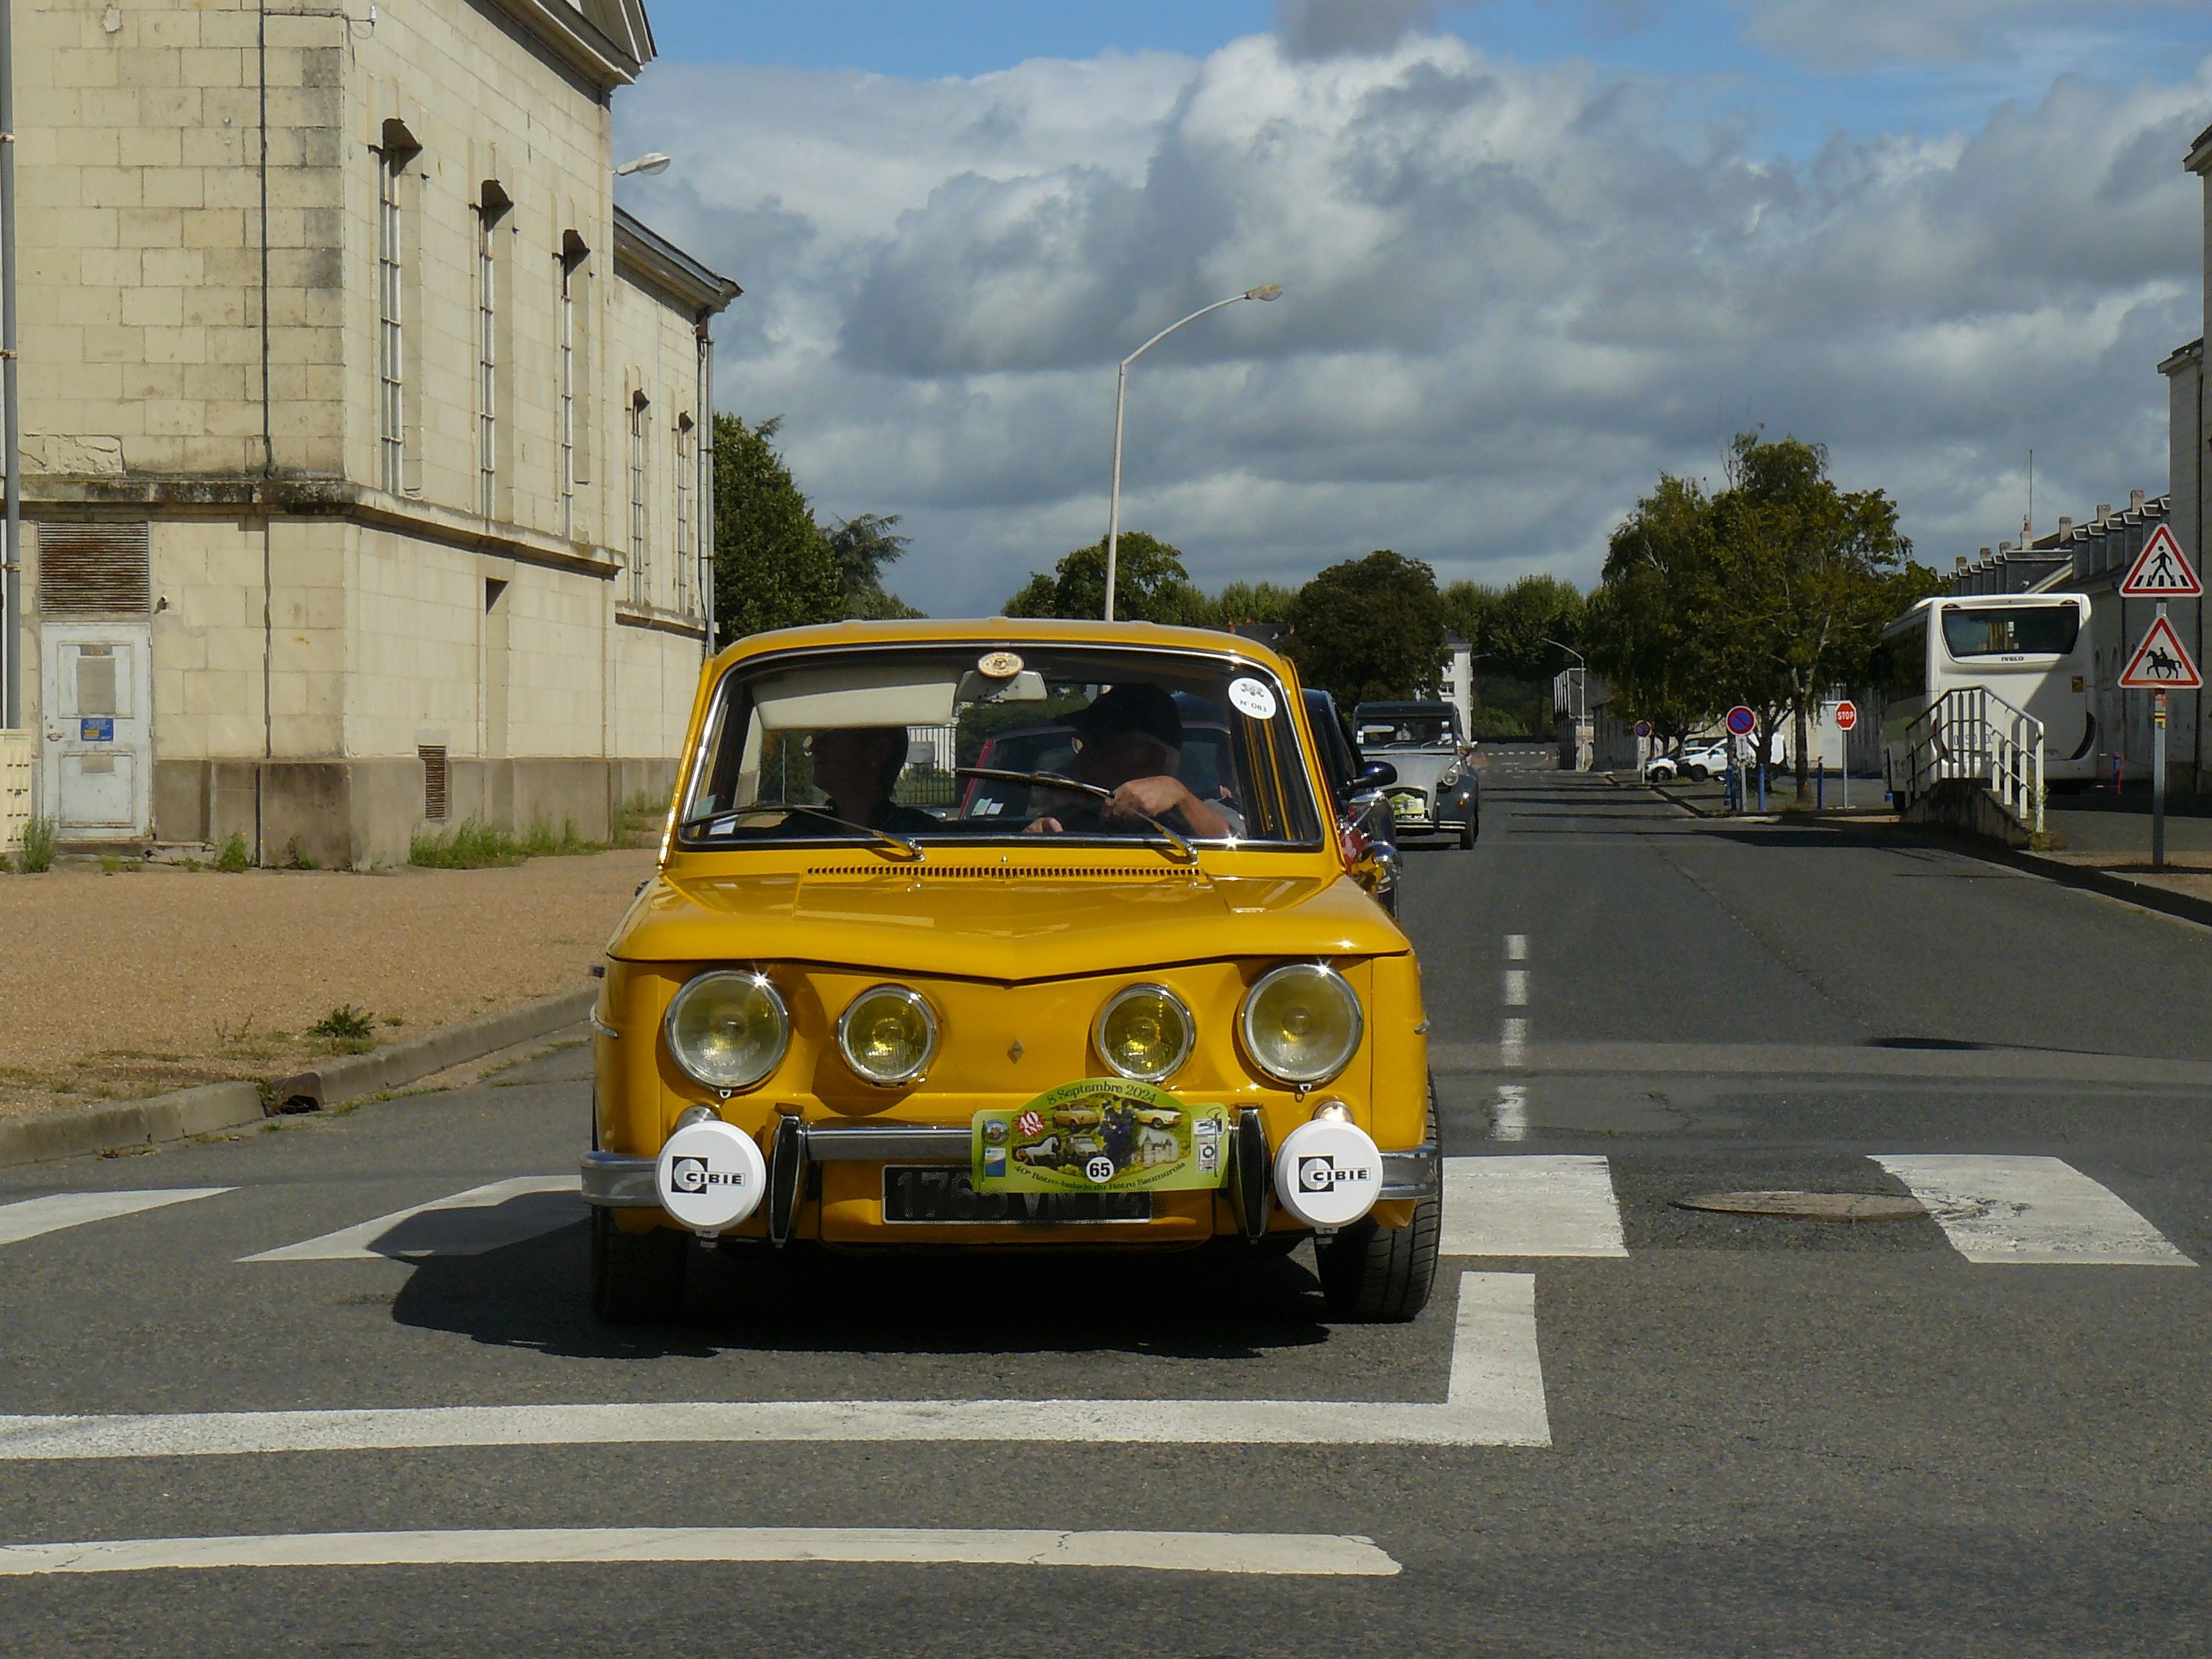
[96, 695]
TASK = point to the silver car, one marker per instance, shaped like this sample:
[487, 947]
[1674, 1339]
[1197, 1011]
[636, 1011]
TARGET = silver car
[1437, 790]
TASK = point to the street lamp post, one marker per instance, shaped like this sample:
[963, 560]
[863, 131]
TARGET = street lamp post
[651, 163]
[1265, 291]
[1582, 682]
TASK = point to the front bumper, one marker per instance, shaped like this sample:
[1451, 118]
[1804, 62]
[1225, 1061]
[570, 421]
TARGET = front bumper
[616, 1181]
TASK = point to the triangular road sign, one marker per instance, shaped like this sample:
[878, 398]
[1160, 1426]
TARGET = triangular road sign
[2161, 663]
[2161, 571]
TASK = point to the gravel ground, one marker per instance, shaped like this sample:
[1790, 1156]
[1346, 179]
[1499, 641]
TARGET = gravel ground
[152, 978]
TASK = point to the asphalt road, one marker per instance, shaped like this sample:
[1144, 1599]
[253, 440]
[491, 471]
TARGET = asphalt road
[1757, 1435]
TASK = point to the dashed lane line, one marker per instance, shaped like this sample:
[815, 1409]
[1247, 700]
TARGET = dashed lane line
[487, 1217]
[2006, 1209]
[1494, 1397]
[1509, 1113]
[1264, 1554]
[28, 1218]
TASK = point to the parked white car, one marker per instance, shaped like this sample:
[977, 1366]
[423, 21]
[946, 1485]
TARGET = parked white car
[1699, 762]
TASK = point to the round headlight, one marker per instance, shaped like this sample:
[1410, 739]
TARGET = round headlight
[728, 1030]
[1301, 1024]
[1144, 1032]
[888, 1035]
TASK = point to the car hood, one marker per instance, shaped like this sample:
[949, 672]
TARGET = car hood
[1417, 769]
[981, 921]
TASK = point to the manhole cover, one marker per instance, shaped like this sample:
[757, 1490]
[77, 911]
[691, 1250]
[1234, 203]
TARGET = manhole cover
[1809, 1207]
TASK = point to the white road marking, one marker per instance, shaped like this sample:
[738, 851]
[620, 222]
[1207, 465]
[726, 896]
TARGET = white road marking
[1273, 1554]
[1495, 1397]
[1525, 1206]
[28, 1218]
[2041, 1210]
[1508, 1118]
[465, 1223]
[1513, 1042]
[1517, 947]
[1516, 988]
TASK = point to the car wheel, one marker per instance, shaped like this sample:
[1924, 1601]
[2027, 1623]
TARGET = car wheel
[1374, 1275]
[1698, 775]
[637, 1278]
[1468, 831]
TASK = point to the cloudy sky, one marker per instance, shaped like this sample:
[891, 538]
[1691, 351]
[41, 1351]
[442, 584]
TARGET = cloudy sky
[1533, 252]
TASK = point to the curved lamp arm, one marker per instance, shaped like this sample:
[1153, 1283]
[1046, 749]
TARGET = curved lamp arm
[1265, 291]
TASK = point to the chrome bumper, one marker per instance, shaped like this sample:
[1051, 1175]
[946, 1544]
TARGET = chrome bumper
[1416, 1173]
[616, 1180]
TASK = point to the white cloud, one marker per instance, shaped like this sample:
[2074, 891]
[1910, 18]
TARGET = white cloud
[1847, 35]
[1514, 294]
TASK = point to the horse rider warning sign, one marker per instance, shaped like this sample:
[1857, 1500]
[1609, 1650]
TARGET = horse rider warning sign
[2161, 663]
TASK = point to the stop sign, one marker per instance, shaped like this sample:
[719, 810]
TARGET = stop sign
[1847, 716]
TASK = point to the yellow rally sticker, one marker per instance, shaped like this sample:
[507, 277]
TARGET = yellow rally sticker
[1101, 1134]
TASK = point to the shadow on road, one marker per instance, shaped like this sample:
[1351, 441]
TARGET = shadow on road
[1218, 1303]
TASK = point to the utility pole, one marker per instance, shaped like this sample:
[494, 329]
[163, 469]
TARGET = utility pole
[11, 477]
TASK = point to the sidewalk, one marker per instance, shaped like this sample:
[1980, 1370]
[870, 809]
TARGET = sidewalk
[2099, 845]
[118, 986]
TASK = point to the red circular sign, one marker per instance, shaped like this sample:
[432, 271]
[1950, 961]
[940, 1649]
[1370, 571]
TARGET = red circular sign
[1743, 721]
[1847, 716]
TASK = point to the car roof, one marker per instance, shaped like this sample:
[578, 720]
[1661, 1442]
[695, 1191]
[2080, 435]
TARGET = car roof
[999, 633]
[1424, 709]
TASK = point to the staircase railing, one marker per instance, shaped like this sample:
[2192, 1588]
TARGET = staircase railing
[1970, 732]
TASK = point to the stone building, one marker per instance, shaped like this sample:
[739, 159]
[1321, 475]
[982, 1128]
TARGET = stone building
[363, 432]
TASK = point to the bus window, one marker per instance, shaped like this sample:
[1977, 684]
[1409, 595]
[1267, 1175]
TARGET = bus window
[1901, 664]
[2015, 630]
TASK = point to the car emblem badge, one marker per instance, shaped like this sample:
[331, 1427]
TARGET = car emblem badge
[1016, 1051]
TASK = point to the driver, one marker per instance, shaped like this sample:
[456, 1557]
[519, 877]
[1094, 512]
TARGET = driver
[1130, 741]
[857, 767]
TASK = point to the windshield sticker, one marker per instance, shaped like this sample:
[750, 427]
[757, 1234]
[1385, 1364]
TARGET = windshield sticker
[1100, 1134]
[998, 664]
[1253, 697]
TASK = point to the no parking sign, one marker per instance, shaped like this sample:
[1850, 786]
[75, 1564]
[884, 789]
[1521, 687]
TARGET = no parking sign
[1743, 721]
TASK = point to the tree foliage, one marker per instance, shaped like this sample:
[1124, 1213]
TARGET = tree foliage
[775, 565]
[1149, 584]
[1512, 629]
[1369, 628]
[1769, 594]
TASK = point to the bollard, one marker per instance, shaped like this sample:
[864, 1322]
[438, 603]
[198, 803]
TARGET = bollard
[1820, 787]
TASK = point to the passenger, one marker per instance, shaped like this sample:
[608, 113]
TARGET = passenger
[1131, 742]
[857, 767]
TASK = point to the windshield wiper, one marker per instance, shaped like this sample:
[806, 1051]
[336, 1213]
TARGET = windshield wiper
[910, 850]
[1187, 854]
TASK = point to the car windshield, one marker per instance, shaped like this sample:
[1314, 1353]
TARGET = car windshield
[935, 741]
[1387, 728]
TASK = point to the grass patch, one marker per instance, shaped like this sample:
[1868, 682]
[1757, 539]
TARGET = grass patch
[235, 858]
[345, 1024]
[35, 852]
[638, 821]
[473, 844]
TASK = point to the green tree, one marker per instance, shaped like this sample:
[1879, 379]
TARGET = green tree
[1369, 628]
[862, 546]
[1815, 572]
[1149, 584]
[1251, 602]
[773, 566]
[1649, 625]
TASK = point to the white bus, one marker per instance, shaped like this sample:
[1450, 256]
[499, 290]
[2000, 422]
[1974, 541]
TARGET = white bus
[2033, 650]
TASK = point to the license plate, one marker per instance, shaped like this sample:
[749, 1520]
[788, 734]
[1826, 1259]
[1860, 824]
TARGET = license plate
[942, 1192]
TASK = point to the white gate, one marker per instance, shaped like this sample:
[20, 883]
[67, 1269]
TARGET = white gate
[96, 696]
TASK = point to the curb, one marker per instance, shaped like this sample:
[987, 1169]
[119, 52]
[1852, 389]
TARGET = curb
[356, 1077]
[129, 1123]
[213, 1107]
[2086, 878]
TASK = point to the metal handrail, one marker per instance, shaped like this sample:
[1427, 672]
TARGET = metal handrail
[1970, 732]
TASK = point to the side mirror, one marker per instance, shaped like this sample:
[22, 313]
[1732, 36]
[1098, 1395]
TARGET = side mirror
[1375, 775]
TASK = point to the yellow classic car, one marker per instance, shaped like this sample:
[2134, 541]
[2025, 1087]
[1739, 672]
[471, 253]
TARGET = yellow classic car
[1008, 933]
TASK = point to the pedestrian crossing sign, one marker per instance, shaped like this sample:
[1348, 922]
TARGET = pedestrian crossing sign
[2161, 571]
[2161, 663]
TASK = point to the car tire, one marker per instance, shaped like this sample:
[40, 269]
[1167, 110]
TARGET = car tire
[1373, 1275]
[1698, 775]
[637, 1278]
[1468, 831]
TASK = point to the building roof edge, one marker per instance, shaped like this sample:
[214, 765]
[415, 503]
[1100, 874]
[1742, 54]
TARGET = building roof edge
[644, 253]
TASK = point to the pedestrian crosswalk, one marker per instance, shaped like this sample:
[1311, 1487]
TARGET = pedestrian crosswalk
[1991, 1208]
